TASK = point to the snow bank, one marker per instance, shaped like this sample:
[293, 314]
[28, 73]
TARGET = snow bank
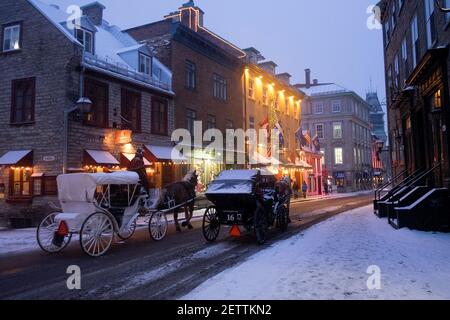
[330, 261]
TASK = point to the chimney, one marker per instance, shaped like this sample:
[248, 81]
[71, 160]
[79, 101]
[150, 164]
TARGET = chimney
[191, 15]
[285, 77]
[94, 11]
[308, 78]
[315, 82]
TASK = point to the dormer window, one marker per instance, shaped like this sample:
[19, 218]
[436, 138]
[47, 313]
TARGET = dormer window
[86, 38]
[145, 64]
[11, 36]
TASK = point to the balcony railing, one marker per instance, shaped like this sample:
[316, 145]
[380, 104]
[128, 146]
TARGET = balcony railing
[122, 69]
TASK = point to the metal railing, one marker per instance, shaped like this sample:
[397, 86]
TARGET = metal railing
[123, 70]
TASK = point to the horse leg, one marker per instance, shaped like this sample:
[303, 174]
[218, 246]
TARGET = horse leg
[175, 217]
[186, 223]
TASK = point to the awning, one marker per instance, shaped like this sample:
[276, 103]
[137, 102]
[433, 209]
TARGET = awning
[126, 159]
[21, 157]
[157, 153]
[101, 158]
[303, 164]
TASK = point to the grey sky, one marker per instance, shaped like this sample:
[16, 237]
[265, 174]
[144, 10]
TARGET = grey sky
[329, 36]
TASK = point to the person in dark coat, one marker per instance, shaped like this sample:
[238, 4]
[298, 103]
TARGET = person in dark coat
[296, 189]
[137, 165]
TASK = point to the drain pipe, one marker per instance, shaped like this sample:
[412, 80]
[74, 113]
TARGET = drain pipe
[80, 104]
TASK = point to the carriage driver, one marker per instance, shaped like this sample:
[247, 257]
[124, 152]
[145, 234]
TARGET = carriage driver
[137, 165]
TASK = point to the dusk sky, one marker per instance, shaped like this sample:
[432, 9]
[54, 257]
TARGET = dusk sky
[330, 37]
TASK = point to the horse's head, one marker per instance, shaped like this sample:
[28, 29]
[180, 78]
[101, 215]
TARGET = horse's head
[192, 178]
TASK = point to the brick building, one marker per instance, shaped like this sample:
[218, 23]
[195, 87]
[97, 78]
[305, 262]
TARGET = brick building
[339, 119]
[46, 67]
[207, 77]
[416, 38]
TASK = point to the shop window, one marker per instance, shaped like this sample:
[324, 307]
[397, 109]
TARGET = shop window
[20, 183]
[50, 186]
[2, 190]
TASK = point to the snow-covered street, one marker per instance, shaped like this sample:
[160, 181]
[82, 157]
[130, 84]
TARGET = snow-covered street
[331, 260]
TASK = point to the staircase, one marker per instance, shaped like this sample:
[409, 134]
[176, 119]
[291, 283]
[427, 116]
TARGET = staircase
[415, 203]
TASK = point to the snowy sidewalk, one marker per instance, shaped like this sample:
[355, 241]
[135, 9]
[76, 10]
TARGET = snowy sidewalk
[330, 261]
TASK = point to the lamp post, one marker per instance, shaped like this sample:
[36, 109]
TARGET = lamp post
[84, 105]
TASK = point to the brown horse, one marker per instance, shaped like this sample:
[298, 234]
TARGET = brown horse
[178, 193]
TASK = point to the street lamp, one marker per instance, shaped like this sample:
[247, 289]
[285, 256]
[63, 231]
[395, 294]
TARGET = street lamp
[84, 105]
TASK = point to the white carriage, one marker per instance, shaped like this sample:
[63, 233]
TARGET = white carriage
[98, 207]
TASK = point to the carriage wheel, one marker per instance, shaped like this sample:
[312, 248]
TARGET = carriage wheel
[282, 218]
[211, 224]
[158, 226]
[260, 225]
[128, 232]
[46, 232]
[97, 234]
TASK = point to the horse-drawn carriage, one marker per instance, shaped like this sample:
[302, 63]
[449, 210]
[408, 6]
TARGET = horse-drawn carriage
[98, 207]
[246, 198]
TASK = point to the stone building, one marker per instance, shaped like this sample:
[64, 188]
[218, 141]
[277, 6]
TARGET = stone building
[271, 98]
[48, 63]
[207, 77]
[339, 119]
[416, 39]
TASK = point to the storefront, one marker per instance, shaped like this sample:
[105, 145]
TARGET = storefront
[165, 165]
[98, 161]
[16, 178]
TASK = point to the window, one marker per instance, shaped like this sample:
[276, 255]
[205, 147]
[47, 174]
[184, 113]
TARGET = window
[447, 15]
[320, 131]
[338, 156]
[415, 41]
[397, 72]
[191, 75]
[20, 184]
[98, 93]
[436, 101]
[251, 122]
[145, 64]
[394, 16]
[50, 187]
[337, 130]
[12, 37]
[86, 38]
[211, 122]
[336, 106]
[430, 21]
[251, 89]
[220, 87]
[387, 34]
[265, 97]
[131, 110]
[22, 100]
[191, 117]
[323, 160]
[160, 117]
[2, 191]
[390, 83]
[318, 107]
[405, 57]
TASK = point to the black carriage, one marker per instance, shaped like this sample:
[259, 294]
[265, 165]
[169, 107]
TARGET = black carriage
[248, 199]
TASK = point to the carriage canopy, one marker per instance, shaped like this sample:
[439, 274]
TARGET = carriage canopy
[81, 187]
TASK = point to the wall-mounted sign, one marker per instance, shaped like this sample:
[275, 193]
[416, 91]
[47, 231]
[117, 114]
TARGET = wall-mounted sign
[49, 158]
[123, 136]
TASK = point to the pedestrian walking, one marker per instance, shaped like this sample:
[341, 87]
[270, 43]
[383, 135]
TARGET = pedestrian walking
[304, 189]
[296, 189]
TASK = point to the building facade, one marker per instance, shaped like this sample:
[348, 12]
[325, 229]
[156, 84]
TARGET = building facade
[339, 119]
[207, 78]
[271, 102]
[47, 66]
[416, 37]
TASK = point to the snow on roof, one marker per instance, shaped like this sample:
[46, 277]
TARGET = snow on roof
[110, 42]
[55, 16]
[13, 157]
[324, 89]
